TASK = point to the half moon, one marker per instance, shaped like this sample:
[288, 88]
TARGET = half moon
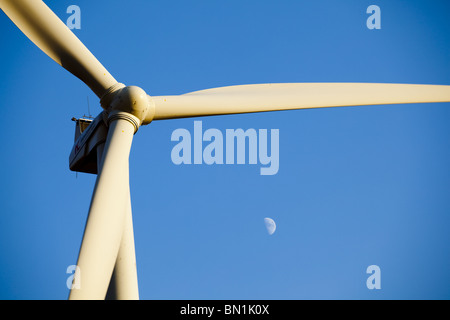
[270, 225]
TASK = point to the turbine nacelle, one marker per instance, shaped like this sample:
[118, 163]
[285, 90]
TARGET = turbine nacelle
[130, 103]
[83, 157]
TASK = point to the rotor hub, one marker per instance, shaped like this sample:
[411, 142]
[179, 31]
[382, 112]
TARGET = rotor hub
[128, 102]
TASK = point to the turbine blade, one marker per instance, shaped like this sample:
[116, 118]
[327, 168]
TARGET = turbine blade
[288, 96]
[52, 36]
[124, 283]
[105, 224]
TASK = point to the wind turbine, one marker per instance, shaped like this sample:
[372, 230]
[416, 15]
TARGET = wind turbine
[107, 258]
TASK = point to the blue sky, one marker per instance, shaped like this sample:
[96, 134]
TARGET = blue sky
[356, 186]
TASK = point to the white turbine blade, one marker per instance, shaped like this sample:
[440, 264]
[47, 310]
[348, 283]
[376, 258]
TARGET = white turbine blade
[288, 96]
[105, 224]
[124, 284]
[53, 37]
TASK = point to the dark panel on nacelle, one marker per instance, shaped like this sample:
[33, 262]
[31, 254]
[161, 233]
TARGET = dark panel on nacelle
[88, 135]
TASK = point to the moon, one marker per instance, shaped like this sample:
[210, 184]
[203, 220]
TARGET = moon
[270, 225]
